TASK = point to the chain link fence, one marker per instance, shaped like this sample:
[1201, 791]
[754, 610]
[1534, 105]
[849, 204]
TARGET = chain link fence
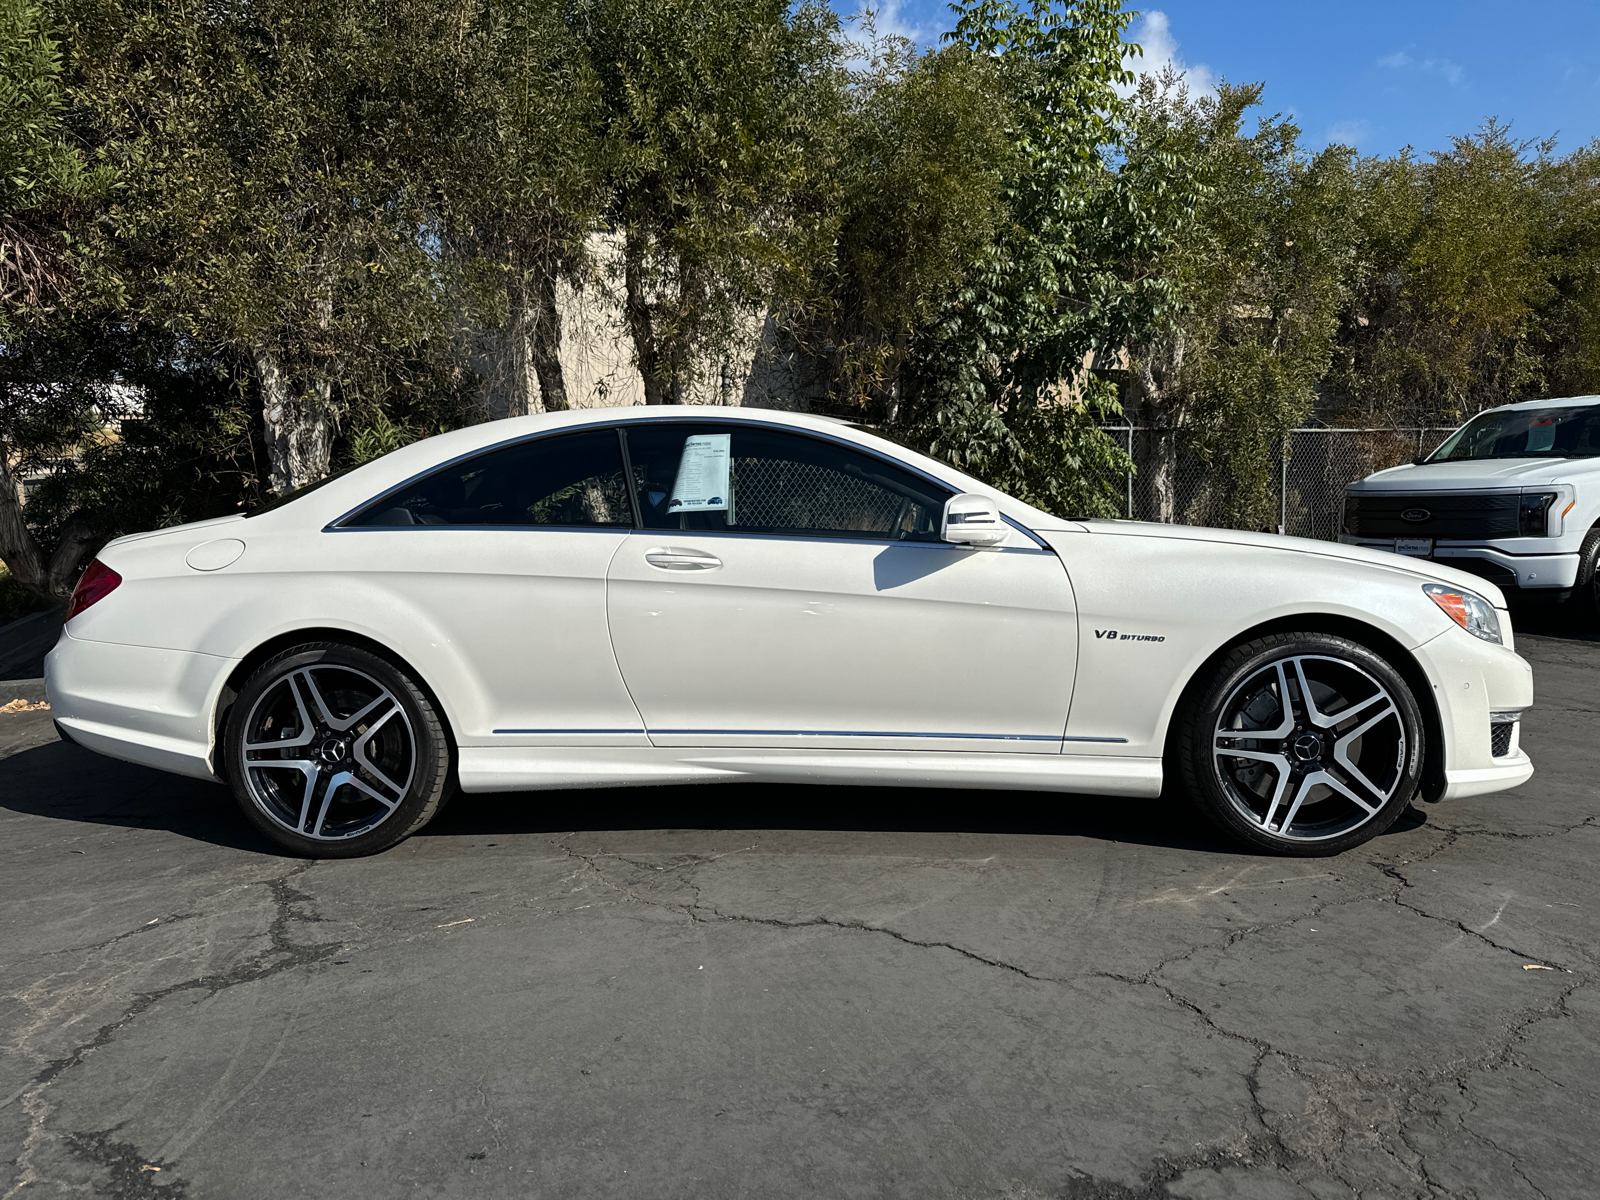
[1309, 474]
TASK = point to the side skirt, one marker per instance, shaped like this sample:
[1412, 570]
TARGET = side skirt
[529, 768]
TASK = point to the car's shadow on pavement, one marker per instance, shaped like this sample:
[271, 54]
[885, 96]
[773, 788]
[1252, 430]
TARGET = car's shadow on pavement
[69, 784]
[1552, 621]
[1170, 821]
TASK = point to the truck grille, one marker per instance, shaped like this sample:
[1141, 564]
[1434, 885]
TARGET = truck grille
[1459, 517]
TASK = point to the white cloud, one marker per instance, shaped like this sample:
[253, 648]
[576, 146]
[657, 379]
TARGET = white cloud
[886, 20]
[1349, 133]
[1154, 37]
[1451, 72]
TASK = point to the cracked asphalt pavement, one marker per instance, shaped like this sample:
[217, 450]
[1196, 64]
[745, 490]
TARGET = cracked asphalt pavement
[785, 991]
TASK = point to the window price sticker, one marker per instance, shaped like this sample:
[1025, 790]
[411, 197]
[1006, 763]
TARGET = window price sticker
[702, 481]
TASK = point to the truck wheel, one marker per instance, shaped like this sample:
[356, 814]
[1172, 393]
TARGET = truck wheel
[1585, 602]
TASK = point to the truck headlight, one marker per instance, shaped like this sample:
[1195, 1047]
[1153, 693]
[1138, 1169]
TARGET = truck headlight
[1533, 514]
[1468, 610]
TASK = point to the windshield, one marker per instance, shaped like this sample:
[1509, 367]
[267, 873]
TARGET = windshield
[1525, 433]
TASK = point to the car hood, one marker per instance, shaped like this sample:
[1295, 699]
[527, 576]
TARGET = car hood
[1475, 474]
[1422, 569]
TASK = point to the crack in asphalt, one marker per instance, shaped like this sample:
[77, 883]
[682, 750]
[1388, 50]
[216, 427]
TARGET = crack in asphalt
[1266, 1138]
[1336, 1089]
[865, 927]
[283, 954]
[151, 926]
[1410, 1083]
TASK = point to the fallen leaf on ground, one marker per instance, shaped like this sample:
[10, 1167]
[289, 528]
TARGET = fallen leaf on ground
[21, 705]
[1535, 967]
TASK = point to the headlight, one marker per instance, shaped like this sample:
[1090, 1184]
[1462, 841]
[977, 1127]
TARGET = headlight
[1533, 515]
[1467, 609]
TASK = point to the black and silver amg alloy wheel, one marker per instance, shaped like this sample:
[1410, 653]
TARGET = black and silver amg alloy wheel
[1312, 745]
[333, 752]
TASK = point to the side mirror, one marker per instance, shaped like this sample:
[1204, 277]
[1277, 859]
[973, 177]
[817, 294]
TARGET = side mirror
[971, 520]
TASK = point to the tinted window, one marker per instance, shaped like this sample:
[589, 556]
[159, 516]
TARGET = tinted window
[1565, 432]
[737, 477]
[575, 479]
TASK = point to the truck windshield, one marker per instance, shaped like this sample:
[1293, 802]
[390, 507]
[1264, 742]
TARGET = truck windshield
[1567, 432]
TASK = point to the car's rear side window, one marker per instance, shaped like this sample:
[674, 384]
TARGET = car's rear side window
[575, 479]
[747, 478]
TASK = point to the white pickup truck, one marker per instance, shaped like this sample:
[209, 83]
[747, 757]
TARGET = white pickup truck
[1512, 496]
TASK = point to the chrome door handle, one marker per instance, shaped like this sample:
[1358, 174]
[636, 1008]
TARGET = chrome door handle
[669, 559]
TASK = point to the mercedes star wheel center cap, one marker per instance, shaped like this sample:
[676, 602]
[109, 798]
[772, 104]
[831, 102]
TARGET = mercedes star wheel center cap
[332, 751]
[1308, 747]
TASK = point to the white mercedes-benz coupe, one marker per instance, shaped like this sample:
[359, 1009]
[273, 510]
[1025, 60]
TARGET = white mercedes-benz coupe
[631, 596]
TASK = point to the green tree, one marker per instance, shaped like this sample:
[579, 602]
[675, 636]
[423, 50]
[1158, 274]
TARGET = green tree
[1569, 319]
[707, 111]
[47, 192]
[1003, 382]
[522, 173]
[44, 180]
[269, 209]
[906, 197]
[1262, 273]
[1453, 270]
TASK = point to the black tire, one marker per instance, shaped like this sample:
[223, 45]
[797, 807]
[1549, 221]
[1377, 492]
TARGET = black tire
[1313, 748]
[1584, 605]
[335, 752]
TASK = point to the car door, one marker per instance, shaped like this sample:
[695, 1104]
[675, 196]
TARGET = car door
[504, 553]
[789, 590]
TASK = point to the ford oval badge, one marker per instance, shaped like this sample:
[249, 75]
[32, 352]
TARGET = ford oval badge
[1415, 515]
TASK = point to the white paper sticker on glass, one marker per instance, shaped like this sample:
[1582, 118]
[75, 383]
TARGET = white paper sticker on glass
[702, 482]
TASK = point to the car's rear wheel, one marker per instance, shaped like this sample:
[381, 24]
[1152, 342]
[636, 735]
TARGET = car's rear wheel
[334, 752]
[1302, 744]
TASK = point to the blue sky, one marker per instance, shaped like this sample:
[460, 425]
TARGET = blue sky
[1376, 75]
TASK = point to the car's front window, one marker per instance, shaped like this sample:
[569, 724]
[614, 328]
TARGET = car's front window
[1565, 432]
[738, 477]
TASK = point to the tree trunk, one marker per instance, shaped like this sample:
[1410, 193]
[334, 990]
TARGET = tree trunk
[544, 341]
[1155, 376]
[517, 378]
[640, 324]
[50, 581]
[61, 576]
[18, 549]
[297, 425]
[1158, 476]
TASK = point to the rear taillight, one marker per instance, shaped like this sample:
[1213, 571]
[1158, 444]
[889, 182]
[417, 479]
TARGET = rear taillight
[98, 582]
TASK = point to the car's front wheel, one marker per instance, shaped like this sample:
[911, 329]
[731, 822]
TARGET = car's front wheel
[1302, 744]
[334, 752]
[1585, 601]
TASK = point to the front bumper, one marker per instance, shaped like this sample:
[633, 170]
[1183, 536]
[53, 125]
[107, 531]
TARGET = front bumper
[1474, 682]
[1510, 572]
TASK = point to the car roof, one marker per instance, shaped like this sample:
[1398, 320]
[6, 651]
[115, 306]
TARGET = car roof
[339, 496]
[1555, 402]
